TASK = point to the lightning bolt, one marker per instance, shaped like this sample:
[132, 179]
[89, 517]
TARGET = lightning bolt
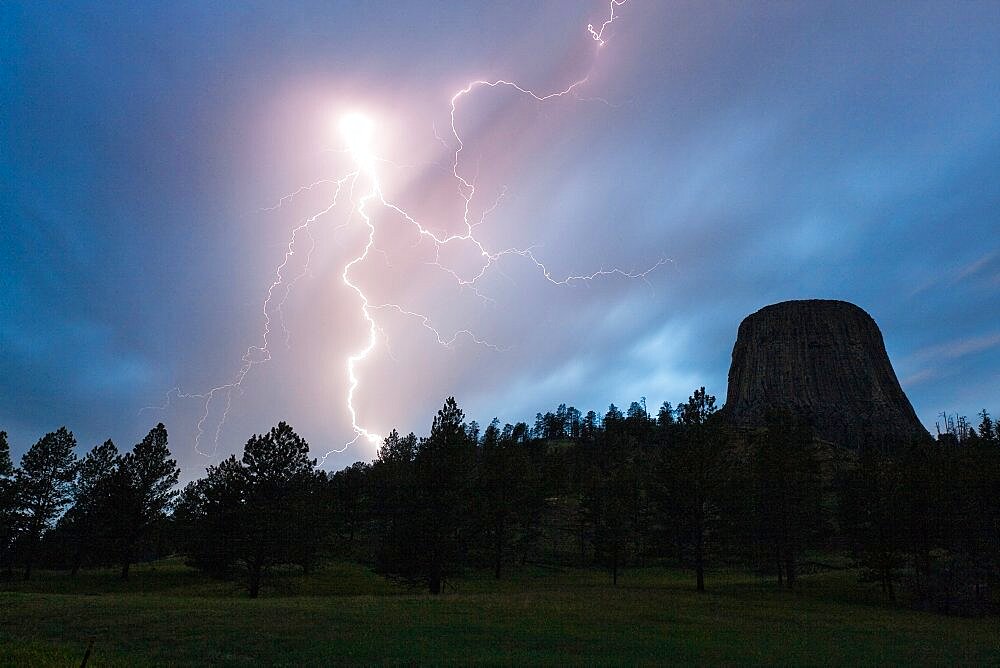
[598, 33]
[261, 353]
[357, 131]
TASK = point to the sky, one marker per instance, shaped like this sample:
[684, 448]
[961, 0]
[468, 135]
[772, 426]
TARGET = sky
[744, 152]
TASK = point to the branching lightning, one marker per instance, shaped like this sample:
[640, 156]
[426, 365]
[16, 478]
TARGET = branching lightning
[598, 33]
[358, 131]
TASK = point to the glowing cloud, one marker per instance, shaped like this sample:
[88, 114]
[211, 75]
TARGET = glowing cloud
[358, 132]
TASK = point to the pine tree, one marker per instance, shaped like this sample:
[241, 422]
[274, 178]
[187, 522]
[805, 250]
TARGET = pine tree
[787, 492]
[665, 416]
[987, 430]
[8, 507]
[44, 484]
[277, 470]
[443, 511]
[87, 522]
[143, 489]
[691, 481]
[6, 466]
[508, 495]
[432, 541]
[393, 480]
[872, 515]
[609, 503]
[211, 514]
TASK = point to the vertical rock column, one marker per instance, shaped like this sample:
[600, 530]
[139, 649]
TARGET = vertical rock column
[825, 361]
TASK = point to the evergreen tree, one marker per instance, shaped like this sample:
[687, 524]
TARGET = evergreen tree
[987, 430]
[692, 480]
[8, 508]
[871, 512]
[472, 429]
[6, 466]
[573, 422]
[443, 471]
[538, 431]
[44, 484]
[393, 497]
[509, 498]
[142, 491]
[211, 515]
[589, 426]
[787, 492]
[277, 470]
[610, 503]
[349, 502]
[88, 521]
[613, 418]
[665, 416]
[252, 514]
[963, 573]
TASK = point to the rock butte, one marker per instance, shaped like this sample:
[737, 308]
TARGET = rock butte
[825, 361]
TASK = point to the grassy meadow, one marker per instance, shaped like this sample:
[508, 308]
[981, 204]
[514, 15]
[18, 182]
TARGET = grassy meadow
[168, 614]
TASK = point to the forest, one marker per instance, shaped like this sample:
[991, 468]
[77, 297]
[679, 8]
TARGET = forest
[920, 520]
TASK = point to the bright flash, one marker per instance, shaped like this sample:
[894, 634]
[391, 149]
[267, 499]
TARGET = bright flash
[358, 131]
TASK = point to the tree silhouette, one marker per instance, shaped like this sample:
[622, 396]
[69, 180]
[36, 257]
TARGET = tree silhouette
[589, 426]
[8, 508]
[871, 510]
[349, 499]
[610, 506]
[665, 416]
[88, 523]
[210, 513]
[432, 543]
[444, 474]
[787, 492]
[6, 466]
[692, 478]
[254, 513]
[277, 468]
[509, 496]
[987, 430]
[393, 499]
[574, 489]
[142, 490]
[44, 484]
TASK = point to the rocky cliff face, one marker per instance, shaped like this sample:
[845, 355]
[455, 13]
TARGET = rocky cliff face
[825, 361]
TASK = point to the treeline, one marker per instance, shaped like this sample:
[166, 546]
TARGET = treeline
[921, 519]
[106, 508]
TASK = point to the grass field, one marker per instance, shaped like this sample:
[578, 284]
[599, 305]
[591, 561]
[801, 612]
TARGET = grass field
[170, 615]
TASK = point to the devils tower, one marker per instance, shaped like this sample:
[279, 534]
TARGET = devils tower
[824, 361]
